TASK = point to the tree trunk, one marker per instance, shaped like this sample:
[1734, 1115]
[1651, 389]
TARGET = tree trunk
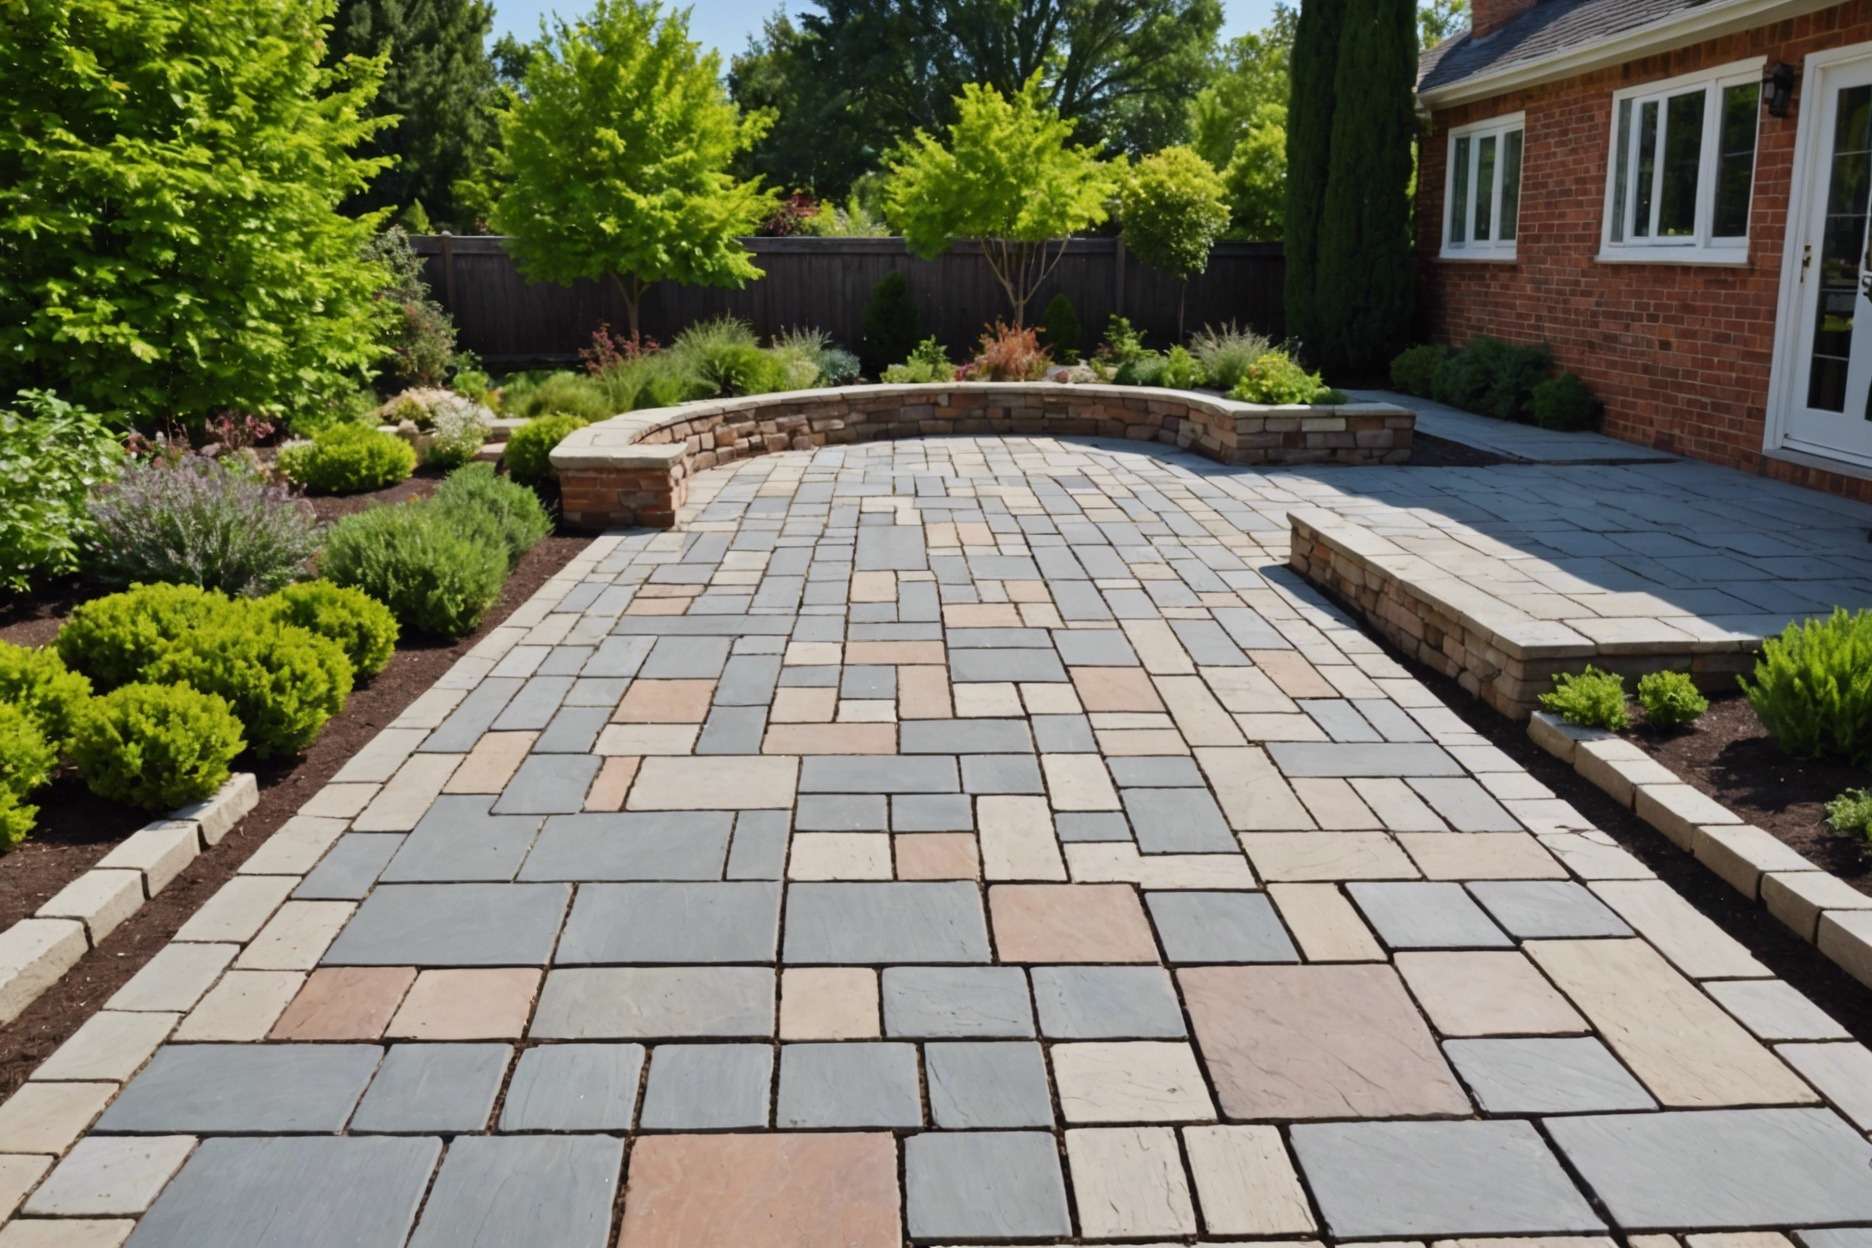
[632, 292]
[1182, 294]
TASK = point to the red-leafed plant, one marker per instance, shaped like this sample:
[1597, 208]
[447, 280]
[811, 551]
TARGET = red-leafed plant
[1009, 353]
[609, 349]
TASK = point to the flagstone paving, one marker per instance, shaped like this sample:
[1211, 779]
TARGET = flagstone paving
[964, 840]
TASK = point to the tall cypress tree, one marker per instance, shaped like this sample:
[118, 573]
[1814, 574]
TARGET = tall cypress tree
[1312, 72]
[1365, 281]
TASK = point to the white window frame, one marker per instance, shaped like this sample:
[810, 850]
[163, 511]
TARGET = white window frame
[1699, 247]
[1497, 128]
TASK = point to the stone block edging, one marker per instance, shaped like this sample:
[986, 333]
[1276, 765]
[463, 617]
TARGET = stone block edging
[1457, 630]
[634, 469]
[35, 952]
[1815, 905]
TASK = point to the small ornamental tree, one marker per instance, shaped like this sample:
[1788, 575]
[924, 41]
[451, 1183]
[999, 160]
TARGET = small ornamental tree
[616, 155]
[1006, 176]
[1174, 207]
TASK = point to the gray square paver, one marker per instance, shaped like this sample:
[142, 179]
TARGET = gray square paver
[1178, 821]
[760, 846]
[975, 1084]
[873, 924]
[573, 1087]
[1539, 909]
[1001, 773]
[496, 1191]
[1426, 916]
[548, 784]
[655, 1002]
[984, 1185]
[1546, 1075]
[696, 1087]
[1072, 826]
[1107, 1003]
[458, 840]
[350, 868]
[431, 1088]
[260, 1088]
[931, 812]
[452, 925]
[965, 736]
[848, 813]
[956, 1001]
[848, 1085]
[665, 845]
[1219, 927]
[736, 921]
[824, 773]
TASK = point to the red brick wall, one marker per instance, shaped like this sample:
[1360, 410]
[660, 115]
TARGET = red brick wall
[1679, 353]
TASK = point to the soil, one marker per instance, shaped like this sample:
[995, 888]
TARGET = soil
[1429, 452]
[75, 830]
[1730, 756]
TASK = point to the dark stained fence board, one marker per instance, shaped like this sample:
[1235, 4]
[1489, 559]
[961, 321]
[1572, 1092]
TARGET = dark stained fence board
[826, 282]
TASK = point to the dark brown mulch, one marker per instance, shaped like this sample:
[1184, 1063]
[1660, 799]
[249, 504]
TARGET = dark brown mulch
[284, 787]
[331, 507]
[1429, 452]
[1730, 756]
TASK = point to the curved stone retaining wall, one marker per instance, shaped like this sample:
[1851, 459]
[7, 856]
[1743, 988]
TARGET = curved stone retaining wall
[634, 469]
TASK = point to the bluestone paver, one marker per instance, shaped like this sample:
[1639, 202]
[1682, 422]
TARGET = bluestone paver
[848, 1085]
[427, 1089]
[573, 1087]
[502, 1190]
[696, 1087]
[979, 1084]
[259, 1088]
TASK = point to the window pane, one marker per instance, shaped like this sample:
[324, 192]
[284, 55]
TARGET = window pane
[1647, 165]
[1510, 185]
[1836, 292]
[1459, 193]
[1735, 159]
[1621, 171]
[1484, 189]
[1683, 158]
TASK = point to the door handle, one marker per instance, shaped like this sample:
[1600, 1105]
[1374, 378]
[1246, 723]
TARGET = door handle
[1806, 262]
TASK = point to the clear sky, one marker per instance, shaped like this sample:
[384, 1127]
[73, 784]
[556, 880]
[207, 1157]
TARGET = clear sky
[726, 24]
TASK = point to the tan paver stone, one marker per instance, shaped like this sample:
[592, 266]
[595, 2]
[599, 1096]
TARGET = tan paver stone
[1325, 924]
[981, 615]
[296, 936]
[829, 1003]
[1334, 804]
[1201, 718]
[1079, 782]
[466, 1005]
[1682, 1045]
[66, 1233]
[491, 763]
[839, 856]
[111, 1044]
[1481, 856]
[1099, 862]
[1070, 923]
[1141, 742]
[1677, 810]
[665, 702]
[175, 979]
[800, 705]
[1130, 1081]
[238, 909]
[1317, 1042]
[867, 711]
[1245, 1182]
[1589, 854]
[784, 1190]
[1251, 791]
[401, 803]
[814, 653]
[296, 847]
[1050, 699]
[339, 801]
[1157, 647]
[1739, 1239]
[1129, 1181]
[976, 699]
[1486, 994]
[1798, 898]
[46, 1117]
[1397, 805]
[111, 1176]
[831, 739]
[1295, 677]
[381, 756]
[1846, 937]
[1248, 690]
[873, 587]
[937, 856]
[895, 652]
[345, 1003]
[612, 782]
[1680, 931]
[17, 1176]
[658, 606]
[923, 693]
[1280, 727]
[243, 1006]
[716, 783]
[1302, 857]
[1115, 689]
[1017, 840]
[643, 739]
[33, 954]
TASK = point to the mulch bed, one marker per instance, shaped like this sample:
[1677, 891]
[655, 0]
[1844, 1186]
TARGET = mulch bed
[1429, 452]
[75, 830]
[1730, 756]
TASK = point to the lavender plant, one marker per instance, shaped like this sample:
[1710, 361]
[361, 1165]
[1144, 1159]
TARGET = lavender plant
[197, 521]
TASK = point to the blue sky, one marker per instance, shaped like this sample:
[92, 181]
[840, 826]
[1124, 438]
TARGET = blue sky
[726, 24]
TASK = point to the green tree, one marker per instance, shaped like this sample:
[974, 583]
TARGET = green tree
[1250, 78]
[615, 159]
[1437, 20]
[1008, 177]
[1314, 65]
[170, 176]
[438, 91]
[1174, 207]
[1256, 178]
[1364, 291]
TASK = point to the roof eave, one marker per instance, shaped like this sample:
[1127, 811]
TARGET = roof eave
[1709, 21]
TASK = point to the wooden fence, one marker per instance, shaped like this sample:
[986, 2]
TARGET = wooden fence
[825, 282]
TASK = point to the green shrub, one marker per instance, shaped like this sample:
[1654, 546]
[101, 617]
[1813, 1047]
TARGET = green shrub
[36, 680]
[1563, 402]
[1850, 814]
[724, 356]
[1813, 687]
[283, 682]
[1182, 371]
[1670, 699]
[112, 639]
[1226, 351]
[1415, 369]
[568, 394]
[1059, 329]
[435, 578]
[348, 459]
[26, 756]
[156, 746]
[418, 337]
[1592, 698]
[16, 819]
[529, 448]
[360, 625]
[652, 379]
[892, 325]
[837, 367]
[1276, 379]
[1145, 368]
[458, 428]
[1492, 377]
[51, 455]
[1122, 343]
[929, 362]
[475, 500]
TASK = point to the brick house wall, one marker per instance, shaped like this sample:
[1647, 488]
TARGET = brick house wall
[1679, 353]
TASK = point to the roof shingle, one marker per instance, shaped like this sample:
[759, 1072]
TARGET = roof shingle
[1549, 26]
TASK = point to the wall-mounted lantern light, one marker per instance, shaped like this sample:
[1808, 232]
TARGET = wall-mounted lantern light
[1778, 88]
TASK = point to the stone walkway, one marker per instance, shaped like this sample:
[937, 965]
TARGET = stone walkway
[1528, 443]
[953, 841]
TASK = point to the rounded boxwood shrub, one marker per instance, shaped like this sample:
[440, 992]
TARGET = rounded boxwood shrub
[1813, 687]
[1415, 369]
[1277, 379]
[1563, 402]
[363, 627]
[435, 578]
[156, 746]
[477, 500]
[1592, 698]
[529, 447]
[36, 680]
[348, 459]
[283, 682]
[112, 639]
[26, 757]
[17, 817]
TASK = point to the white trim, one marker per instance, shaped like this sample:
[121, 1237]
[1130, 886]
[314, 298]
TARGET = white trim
[1694, 25]
[1495, 249]
[1699, 246]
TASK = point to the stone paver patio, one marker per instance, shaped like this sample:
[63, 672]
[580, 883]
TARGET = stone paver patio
[952, 841]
